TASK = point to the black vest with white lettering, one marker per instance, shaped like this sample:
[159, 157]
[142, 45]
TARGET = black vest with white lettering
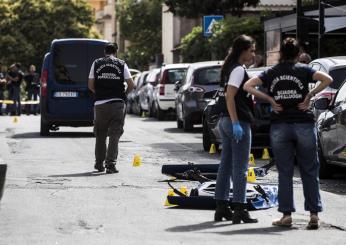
[243, 100]
[109, 79]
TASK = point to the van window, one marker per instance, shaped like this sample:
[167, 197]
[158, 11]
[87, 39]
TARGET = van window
[72, 62]
[208, 76]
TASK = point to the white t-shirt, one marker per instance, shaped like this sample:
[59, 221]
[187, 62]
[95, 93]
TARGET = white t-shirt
[236, 77]
[127, 75]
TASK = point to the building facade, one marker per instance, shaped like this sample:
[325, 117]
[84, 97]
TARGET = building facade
[174, 27]
[105, 18]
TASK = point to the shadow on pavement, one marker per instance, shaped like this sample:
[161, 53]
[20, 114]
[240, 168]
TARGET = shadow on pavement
[336, 185]
[32, 135]
[176, 147]
[196, 130]
[85, 174]
[213, 225]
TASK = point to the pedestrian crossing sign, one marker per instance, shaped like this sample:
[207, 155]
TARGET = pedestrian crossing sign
[209, 24]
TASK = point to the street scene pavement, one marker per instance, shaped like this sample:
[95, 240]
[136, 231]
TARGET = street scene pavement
[54, 196]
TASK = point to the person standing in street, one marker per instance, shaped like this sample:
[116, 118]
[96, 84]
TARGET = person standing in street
[107, 79]
[235, 131]
[304, 58]
[293, 131]
[2, 87]
[14, 80]
[32, 88]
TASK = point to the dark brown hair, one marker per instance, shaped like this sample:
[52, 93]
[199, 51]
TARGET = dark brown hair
[290, 49]
[240, 44]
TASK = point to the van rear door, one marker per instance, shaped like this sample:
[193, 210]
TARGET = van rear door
[68, 88]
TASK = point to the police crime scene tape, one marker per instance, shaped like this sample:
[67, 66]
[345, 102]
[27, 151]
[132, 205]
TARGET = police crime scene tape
[28, 102]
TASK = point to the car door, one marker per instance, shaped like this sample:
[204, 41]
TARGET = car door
[340, 109]
[328, 134]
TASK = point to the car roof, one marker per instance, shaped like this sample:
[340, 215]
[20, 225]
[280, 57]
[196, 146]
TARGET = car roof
[67, 40]
[329, 62]
[256, 71]
[173, 66]
[198, 65]
[152, 74]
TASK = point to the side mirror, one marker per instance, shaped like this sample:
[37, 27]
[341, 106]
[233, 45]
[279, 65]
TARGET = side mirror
[322, 104]
[177, 86]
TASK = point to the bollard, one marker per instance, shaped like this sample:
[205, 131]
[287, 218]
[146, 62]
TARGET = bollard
[3, 168]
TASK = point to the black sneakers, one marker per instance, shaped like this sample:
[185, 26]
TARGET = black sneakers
[111, 169]
[99, 167]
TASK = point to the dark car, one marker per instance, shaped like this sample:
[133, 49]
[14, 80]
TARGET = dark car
[191, 97]
[331, 128]
[260, 126]
[336, 68]
[65, 99]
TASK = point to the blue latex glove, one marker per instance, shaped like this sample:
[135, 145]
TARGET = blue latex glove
[238, 131]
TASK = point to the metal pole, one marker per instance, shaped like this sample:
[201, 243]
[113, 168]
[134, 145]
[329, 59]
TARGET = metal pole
[321, 29]
[299, 25]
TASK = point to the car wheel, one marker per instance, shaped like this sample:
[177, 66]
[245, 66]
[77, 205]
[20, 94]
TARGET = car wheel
[129, 108]
[187, 124]
[326, 171]
[151, 109]
[179, 123]
[160, 114]
[44, 129]
[206, 137]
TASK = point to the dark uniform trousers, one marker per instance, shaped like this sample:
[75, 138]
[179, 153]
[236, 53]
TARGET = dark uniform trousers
[109, 121]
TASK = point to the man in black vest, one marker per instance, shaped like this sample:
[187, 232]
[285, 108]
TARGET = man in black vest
[107, 79]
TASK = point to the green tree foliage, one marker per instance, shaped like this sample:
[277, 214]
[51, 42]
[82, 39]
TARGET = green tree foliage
[232, 27]
[195, 47]
[29, 26]
[140, 23]
[197, 8]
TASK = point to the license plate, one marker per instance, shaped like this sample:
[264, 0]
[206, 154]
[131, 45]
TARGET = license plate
[66, 94]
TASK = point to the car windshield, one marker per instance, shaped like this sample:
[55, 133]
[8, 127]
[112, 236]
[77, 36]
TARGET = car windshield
[339, 76]
[208, 76]
[72, 62]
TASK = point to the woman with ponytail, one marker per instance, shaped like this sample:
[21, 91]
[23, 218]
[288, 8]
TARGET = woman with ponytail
[293, 132]
[235, 131]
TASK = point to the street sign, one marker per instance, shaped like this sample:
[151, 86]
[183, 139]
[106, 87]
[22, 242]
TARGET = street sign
[209, 22]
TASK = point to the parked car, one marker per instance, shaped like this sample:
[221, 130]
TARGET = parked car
[164, 94]
[65, 99]
[336, 68]
[260, 126]
[191, 99]
[141, 82]
[331, 128]
[146, 91]
[130, 104]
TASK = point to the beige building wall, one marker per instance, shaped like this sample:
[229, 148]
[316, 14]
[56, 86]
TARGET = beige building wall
[173, 29]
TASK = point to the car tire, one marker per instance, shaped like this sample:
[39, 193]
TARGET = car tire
[129, 108]
[187, 124]
[326, 170]
[179, 123]
[151, 109]
[160, 114]
[206, 137]
[44, 128]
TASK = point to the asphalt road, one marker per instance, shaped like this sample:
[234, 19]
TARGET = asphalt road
[53, 195]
